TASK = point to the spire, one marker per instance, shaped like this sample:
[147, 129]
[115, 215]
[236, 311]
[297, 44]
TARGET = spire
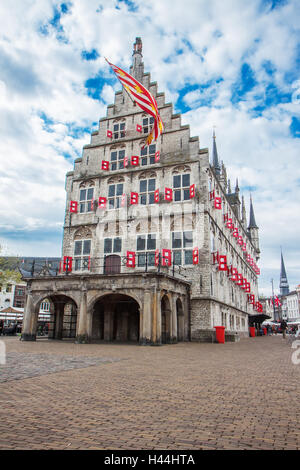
[216, 164]
[237, 189]
[252, 223]
[244, 217]
[283, 285]
[137, 68]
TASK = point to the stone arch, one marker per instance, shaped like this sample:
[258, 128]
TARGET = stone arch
[115, 179]
[82, 233]
[180, 169]
[147, 174]
[63, 315]
[87, 184]
[115, 317]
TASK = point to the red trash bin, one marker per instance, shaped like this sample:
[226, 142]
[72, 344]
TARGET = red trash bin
[265, 331]
[220, 334]
[252, 331]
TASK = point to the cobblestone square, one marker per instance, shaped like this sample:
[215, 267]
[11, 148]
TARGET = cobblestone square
[61, 395]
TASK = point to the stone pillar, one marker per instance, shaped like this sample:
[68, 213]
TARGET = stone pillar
[82, 334]
[145, 336]
[28, 333]
[173, 320]
[158, 318]
[59, 319]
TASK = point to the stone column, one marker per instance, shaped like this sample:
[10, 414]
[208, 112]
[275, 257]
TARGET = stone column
[82, 335]
[59, 319]
[158, 318]
[145, 336]
[173, 320]
[28, 334]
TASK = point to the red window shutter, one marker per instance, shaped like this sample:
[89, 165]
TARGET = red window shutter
[215, 257]
[157, 156]
[74, 206]
[218, 203]
[235, 232]
[134, 160]
[134, 198]
[229, 224]
[166, 257]
[139, 128]
[168, 194]
[225, 217]
[196, 256]
[130, 259]
[234, 275]
[240, 280]
[211, 195]
[156, 196]
[102, 202]
[67, 266]
[105, 165]
[109, 134]
[223, 263]
[89, 264]
[247, 287]
[156, 258]
[192, 191]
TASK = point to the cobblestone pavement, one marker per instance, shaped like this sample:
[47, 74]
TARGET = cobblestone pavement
[187, 396]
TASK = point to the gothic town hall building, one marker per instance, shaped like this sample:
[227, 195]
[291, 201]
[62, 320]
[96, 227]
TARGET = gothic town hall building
[156, 246]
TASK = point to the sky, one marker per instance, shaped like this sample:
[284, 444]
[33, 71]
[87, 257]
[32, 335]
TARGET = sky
[230, 65]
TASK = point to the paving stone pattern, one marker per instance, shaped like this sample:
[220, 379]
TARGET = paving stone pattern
[185, 396]
[21, 366]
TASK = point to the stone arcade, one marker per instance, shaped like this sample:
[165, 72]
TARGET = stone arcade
[156, 247]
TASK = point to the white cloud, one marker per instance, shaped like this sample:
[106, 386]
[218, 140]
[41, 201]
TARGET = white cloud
[192, 44]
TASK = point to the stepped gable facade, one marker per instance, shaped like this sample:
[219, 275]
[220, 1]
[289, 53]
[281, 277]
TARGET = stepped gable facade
[155, 246]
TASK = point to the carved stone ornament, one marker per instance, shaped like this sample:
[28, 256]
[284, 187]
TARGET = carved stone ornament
[82, 233]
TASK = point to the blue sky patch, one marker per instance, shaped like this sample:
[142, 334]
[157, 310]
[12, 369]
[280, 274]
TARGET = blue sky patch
[131, 5]
[245, 83]
[295, 127]
[90, 55]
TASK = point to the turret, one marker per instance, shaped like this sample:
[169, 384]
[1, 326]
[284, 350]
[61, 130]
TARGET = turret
[137, 68]
[283, 285]
[253, 229]
[215, 159]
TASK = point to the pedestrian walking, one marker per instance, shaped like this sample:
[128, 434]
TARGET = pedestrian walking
[283, 326]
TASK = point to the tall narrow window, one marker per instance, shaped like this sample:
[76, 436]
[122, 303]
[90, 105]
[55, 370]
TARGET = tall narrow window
[181, 186]
[82, 250]
[182, 247]
[117, 159]
[119, 130]
[86, 197]
[145, 247]
[112, 245]
[147, 124]
[148, 155]
[115, 192]
[147, 188]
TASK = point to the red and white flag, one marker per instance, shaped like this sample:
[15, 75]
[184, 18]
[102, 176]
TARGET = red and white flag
[277, 301]
[143, 98]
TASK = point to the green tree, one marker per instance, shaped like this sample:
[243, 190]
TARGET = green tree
[9, 271]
